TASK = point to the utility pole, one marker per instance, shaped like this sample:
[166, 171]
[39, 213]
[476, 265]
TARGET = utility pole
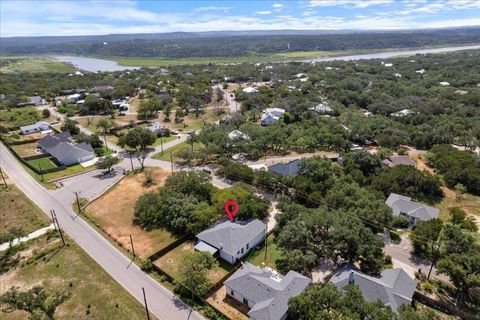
[131, 161]
[57, 225]
[133, 249]
[41, 171]
[171, 160]
[78, 203]
[146, 306]
[161, 141]
[435, 253]
[3, 177]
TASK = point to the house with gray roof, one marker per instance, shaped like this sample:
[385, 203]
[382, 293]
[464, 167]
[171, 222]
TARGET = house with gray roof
[35, 100]
[265, 291]
[414, 211]
[398, 160]
[394, 287]
[60, 147]
[286, 169]
[36, 127]
[231, 240]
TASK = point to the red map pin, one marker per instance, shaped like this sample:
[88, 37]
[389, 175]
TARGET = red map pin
[233, 212]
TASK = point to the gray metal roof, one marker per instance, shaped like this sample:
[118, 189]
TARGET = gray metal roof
[34, 126]
[398, 160]
[269, 290]
[230, 237]
[50, 141]
[35, 99]
[402, 204]
[64, 151]
[286, 169]
[205, 247]
[394, 287]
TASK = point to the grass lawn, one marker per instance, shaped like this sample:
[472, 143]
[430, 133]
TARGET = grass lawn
[169, 263]
[25, 150]
[94, 294]
[17, 210]
[47, 177]
[42, 163]
[114, 212]
[165, 140]
[257, 257]
[34, 64]
[175, 151]
[468, 202]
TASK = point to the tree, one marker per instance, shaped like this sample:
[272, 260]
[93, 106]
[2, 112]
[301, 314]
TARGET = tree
[193, 271]
[70, 126]
[424, 236]
[107, 163]
[179, 115]
[46, 113]
[36, 301]
[249, 205]
[148, 109]
[459, 190]
[190, 182]
[459, 217]
[138, 140]
[297, 260]
[105, 125]
[201, 218]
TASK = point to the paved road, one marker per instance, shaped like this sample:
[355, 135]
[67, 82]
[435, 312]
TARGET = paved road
[162, 303]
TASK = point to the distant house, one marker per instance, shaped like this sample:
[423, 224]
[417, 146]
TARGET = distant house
[60, 147]
[401, 113]
[36, 100]
[420, 71]
[231, 240]
[271, 115]
[250, 90]
[102, 88]
[398, 160]
[393, 288]
[444, 83]
[74, 97]
[36, 127]
[322, 108]
[286, 169]
[237, 134]
[157, 128]
[2, 96]
[414, 211]
[265, 291]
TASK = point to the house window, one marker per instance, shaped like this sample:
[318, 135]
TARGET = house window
[245, 301]
[238, 252]
[232, 293]
[242, 250]
[248, 246]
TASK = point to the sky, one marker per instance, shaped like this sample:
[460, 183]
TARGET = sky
[55, 18]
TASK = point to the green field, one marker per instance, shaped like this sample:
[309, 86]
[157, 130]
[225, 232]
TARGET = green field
[43, 163]
[165, 140]
[175, 151]
[93, 293]
[34, 64]
[257, 257]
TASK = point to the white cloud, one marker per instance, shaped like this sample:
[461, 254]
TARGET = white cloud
[278, 5]
[211, 8]
[263, 12]
[348, 3]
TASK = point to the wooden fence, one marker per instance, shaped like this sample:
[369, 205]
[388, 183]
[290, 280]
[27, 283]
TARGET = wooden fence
[443, 306]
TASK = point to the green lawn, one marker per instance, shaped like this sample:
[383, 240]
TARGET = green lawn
[58, 174]
[165, 140]
[257, 257]
[42, 163]
[16, 210]
[34, 64]
[175, 151]
[94, 294]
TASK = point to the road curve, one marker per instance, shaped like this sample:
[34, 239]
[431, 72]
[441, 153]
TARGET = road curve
[163, 304]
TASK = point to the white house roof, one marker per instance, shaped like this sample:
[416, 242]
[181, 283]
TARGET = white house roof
[230, 237]
[444, 83]
[237, 134]
[250, 90]
[401, 113]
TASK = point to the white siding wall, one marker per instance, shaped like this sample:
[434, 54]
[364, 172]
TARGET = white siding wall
[237, 296]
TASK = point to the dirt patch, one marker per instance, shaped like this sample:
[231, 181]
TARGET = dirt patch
[230, 307]
[114, 212]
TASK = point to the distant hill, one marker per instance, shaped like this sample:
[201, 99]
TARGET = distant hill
[235, 43]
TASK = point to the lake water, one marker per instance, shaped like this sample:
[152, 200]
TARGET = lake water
[390, 54]
[93, 64]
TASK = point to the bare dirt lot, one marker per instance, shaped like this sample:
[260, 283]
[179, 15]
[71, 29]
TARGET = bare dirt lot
[230, 307]
[114, 212]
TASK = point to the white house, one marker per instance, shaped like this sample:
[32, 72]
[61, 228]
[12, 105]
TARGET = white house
[36, 127]
[420, 71]
[271, 115]
[231, 240]
[401, 113]
[250, 90]
[321, 108]
[444, 83]
[237, 134]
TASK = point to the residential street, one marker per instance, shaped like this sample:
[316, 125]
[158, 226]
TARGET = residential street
[161, 302]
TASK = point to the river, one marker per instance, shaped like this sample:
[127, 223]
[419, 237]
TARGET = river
[93, 64]
[390, 54]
